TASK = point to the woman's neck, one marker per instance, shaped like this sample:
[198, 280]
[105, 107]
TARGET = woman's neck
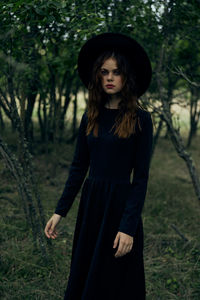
[113, 101]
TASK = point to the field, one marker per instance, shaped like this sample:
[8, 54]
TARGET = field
[172, 265]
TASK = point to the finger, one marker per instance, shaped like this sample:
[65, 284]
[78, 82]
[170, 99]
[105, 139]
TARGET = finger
[47, 230]
[52, 229]
[124, 249]
[50, 234]
[47, 234]
[116, 241]
[54, 234]
[128, 249]
[120, 250]
[118, 253]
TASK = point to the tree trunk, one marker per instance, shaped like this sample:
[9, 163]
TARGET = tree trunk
[194, 114]
[2, 124]
[174, 133]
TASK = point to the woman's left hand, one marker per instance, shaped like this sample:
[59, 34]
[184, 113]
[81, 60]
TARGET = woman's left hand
[125, 243]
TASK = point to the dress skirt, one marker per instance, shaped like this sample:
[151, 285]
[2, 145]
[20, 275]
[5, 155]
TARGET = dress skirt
[95, 273]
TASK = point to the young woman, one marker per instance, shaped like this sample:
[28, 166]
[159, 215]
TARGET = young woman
[115, 138]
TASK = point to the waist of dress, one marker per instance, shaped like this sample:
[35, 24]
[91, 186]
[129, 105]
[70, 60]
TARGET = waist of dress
[109, 179]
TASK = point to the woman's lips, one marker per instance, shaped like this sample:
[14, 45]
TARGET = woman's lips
[110, 86]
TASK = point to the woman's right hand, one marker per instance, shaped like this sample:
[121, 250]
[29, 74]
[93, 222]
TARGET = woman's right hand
[50, 229]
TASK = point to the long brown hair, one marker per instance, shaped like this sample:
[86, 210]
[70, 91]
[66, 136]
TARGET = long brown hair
[126, 118]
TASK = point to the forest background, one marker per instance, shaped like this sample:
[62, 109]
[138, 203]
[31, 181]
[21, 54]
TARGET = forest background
[41, 102]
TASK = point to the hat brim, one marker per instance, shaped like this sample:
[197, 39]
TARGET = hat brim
[126, 45]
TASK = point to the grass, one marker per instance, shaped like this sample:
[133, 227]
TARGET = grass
[172, 266]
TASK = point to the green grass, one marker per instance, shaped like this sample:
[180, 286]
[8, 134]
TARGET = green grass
[172, 266]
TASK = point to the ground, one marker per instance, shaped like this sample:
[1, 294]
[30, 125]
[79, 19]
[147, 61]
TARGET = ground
[172, 265]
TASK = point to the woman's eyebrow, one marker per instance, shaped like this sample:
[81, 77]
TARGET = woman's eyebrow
[107, 69]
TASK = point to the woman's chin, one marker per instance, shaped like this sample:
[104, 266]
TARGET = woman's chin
[110, 92]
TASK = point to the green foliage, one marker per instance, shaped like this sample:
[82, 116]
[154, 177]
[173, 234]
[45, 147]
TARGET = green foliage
[45, 36]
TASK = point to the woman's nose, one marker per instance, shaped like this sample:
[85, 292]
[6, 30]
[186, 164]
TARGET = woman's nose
[110, 77]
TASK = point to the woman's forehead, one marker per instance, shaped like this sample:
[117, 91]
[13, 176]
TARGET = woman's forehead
[110, 63]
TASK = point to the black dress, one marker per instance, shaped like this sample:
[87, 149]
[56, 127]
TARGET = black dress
[109, 203]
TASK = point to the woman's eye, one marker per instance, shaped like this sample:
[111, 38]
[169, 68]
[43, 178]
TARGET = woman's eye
[117, 72]
[103, 72]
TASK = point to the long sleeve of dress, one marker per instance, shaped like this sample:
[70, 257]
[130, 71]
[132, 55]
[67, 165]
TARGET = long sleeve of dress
[77, 171]
[136, 198]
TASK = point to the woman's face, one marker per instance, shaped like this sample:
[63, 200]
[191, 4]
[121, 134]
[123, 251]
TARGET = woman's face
[111, 77]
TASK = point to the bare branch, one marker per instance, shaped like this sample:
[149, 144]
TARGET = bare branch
[180, 72]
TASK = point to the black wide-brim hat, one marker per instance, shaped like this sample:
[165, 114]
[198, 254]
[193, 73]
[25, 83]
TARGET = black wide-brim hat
[126, 45]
